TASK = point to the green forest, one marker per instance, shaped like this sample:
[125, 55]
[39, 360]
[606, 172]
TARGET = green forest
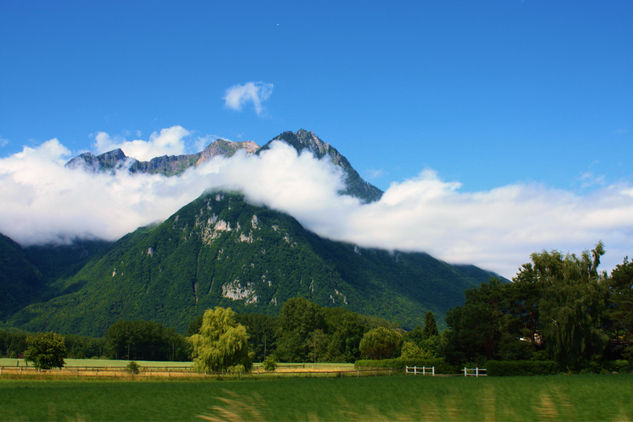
[560, 312]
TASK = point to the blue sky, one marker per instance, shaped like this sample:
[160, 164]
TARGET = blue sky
[484, 92]
[498, 128]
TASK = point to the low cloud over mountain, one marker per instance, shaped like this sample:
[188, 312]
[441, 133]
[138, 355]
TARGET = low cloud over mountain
[496, 229]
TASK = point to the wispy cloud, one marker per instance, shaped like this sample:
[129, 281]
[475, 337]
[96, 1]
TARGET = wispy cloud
[169, 141]
[496, 229]
[374, 173]
[3, 142]
[589, 179]
[237, 96]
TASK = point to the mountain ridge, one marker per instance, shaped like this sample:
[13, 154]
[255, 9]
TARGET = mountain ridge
[174, 165]
[221, 251]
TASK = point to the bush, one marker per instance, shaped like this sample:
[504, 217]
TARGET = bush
[521, 367]
[269, 364]
[619, 365]
[441, 366]
[238, 369]
[133, 367]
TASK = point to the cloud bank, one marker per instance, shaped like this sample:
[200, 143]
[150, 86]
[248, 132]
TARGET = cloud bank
[237, 96]
[496, 229]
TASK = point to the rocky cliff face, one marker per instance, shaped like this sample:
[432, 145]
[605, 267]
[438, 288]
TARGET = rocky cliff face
[168, 165]
[173, 165]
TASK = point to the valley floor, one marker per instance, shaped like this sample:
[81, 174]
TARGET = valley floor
[561, 397]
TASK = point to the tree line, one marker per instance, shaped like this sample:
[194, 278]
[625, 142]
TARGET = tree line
[558, 308]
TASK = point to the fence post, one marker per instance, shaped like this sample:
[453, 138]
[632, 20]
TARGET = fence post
[433, 370]
[465, 373]
[476, 372]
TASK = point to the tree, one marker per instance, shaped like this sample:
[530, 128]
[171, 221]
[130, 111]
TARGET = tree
[430, 326]
[570, 310]
[298, 318]
[620, 311]
[221, 344]
[411, 351]
[46, 350]
[380, 343]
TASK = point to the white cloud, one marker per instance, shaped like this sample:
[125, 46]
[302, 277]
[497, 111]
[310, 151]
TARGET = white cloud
[254, 92]
[496, 229]
[169, 141]
[3, 142]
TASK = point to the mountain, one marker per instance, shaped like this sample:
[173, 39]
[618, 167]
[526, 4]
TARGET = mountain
[168, 165]
[173, 165]
[220, 250]
[27, 275]
[21, 282]
[308, 140]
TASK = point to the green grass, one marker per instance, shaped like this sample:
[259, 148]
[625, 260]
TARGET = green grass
[579, 397]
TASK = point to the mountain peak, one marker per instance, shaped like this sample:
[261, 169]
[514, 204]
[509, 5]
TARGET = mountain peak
[107, 161]
[304, 139]
[307, 140]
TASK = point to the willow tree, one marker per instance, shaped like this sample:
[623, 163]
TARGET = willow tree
[573, 298]
[221, 343]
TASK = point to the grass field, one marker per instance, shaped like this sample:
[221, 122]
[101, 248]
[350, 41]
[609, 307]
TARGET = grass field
[578, 397]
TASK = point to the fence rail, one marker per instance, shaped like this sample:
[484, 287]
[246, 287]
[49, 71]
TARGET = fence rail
[475, 372]
[415, 370]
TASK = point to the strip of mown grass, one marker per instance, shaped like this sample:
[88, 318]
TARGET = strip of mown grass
[580, 397]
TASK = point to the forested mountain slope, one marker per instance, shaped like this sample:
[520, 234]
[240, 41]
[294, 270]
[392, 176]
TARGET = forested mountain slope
[220, 250]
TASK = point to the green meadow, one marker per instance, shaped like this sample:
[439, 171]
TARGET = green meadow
[561, 397]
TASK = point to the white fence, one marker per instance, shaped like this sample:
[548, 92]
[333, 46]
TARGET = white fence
[475, 372]
[415, 370]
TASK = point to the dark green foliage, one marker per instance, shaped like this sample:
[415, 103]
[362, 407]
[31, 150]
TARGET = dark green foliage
[262, 334]
[21, 283]
[474, 333]
[380, 343]
[81, 347]
[298, 319]
[55, 261]
[133, 367]
[145, 340]
[522, 367]
[12, 343]
[45, 350]
[619, 311]
[269, 364]
[171, 272]
[430, 326]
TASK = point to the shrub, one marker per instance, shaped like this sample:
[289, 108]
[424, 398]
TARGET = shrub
[238, 369]
[133, 367]
[619, 365]
[269, 363]
[521, 367]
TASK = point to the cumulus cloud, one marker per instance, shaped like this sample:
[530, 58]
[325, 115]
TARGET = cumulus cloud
[251, 92]
[169, 141]
[496, 229]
